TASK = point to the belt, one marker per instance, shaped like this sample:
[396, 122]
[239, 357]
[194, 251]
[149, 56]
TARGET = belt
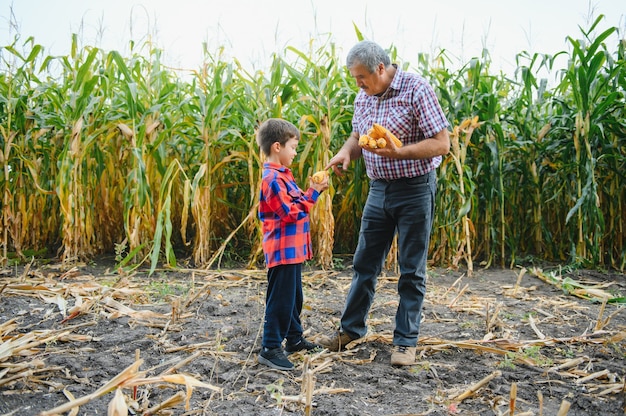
[409, 181]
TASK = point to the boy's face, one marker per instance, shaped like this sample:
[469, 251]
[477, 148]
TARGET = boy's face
[288, 152]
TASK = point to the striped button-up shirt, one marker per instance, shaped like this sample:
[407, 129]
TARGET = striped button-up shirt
[284, 211]
[410, 110]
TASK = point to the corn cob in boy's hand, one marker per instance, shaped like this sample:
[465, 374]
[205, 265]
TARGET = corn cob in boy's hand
[375, 138]
[320, 176]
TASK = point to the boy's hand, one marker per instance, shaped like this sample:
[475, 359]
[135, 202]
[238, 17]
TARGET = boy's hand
[319, 176]
[319, 181]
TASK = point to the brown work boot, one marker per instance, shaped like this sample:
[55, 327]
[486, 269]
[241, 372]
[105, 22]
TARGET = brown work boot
[335, 343]
[402, 355]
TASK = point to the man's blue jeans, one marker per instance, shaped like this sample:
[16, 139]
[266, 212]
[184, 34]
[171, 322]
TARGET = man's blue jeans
[405, 206]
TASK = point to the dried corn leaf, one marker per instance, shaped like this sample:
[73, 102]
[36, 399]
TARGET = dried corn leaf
[131, 372]
[117, 405]
[123, 310]
[57, 300]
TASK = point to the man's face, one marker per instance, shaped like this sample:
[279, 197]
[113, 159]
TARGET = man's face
[371, 83]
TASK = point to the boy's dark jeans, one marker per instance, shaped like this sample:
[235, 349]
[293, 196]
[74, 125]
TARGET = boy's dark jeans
[283, 305]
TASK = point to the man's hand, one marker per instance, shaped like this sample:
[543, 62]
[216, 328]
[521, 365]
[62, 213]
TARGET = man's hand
[438, 145]
[350, 151]
[341, 159]
[391, 150]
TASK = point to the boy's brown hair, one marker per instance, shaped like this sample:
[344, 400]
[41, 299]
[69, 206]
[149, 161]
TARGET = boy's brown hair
[275, 130]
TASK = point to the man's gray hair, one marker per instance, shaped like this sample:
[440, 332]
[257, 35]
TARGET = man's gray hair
[368, 54]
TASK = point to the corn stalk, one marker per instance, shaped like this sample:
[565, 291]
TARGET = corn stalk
[588, 82]
[459, 155]
[323, 92]
[117, 153]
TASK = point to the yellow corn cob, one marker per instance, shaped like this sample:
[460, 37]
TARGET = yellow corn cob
[371, 143]
[375, 138]
[377, 131]
[364, 141]
[319, 177]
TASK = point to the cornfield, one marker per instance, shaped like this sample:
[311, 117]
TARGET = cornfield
[104, 154]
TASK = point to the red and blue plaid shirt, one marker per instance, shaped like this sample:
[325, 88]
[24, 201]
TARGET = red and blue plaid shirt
[411, 111]
[284, 211]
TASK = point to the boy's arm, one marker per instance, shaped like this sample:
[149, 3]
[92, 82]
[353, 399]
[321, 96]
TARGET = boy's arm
[290, 207]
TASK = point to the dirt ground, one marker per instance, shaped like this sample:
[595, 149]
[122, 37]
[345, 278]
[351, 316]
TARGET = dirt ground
[185, 343]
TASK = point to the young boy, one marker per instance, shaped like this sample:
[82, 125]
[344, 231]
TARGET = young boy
[284, 211]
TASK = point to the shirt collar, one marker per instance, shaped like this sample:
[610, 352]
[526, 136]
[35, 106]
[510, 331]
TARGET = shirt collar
[396, 82]
[275, 166]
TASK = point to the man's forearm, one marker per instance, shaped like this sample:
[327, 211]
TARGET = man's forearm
[352, 146]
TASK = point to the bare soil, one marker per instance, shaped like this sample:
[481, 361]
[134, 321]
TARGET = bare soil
[492, 342]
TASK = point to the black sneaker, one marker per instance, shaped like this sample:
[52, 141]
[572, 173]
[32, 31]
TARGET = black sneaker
[301, 345]
[275, 358]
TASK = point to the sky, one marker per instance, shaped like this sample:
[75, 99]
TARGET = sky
[252, 30]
